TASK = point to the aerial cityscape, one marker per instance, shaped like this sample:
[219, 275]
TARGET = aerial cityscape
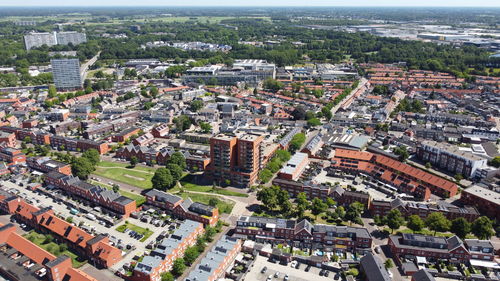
[242, 141]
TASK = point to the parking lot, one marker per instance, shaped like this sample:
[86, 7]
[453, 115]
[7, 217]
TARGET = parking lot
[255, 272]
[131, 247]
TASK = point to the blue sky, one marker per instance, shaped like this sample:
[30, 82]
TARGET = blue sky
[427, 3]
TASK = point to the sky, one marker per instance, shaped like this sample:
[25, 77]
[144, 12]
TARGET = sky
[370, 3]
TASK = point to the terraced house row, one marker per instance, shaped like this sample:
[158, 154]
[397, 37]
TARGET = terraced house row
[304, 234]
[112, 201]
[96, 248]
[163, 256]
[402, 176]
[23, 260]
[183, 208]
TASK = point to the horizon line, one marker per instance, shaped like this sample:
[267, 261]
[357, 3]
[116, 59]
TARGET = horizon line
[238, 6]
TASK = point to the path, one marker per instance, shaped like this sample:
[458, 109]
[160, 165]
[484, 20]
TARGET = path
[362, 83]
[85, 67]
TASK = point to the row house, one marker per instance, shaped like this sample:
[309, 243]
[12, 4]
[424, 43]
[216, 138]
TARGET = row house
[23, 260]
[37, 137]
[63, 143]
[183, 208]
[45, 164]
[163, 256]
[485, 200]
[110, 200]
[125, 134]
[8, 139]
[12, 156]
[340, 195]
[401, 176]
[161, 131]
[220, 257]
[96, 248]
[423, 210]
[434, 248]
[304, 234]
[144, 139]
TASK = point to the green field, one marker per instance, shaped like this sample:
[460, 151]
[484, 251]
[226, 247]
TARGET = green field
[188, 185]
[137, 176]
[223, 206]
[144, 231]
[139, 199]
[54, 248]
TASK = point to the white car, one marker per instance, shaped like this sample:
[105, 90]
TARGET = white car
[293, 264]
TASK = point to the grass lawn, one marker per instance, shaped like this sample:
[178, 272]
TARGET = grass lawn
[223, 206]
[139, 199]
[188, 185]
[53, 248]
[137, 176]
[138, 229]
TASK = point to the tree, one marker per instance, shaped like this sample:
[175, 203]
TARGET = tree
[48, 238]
[461, 227]
[428, 165]
[297, 142]
[116, 188]
[213, 201]
[318, 207]
[458, 177]
[415, 223]
[354, 212]
[92, 155]
[133, 161]
[340, 211]
[394, 219]
[195, 105]
[495, 162]
[299, 113]
[389, 264]
[272, 85]
[178, 159]
[167, 276]
[205, 127]
[52, 91]
[178, 267]
[162, 179]
[190, 255]
[268, 197]
[482, 228]
[313, 122]
[82, 168]
[437, 222]
[175, 171]
[302, 204]
[182, 123]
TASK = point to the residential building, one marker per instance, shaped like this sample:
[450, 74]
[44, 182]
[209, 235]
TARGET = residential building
[22, 260]
[73, 37]
[12, 156]
[485, 200]
[163, 256]
[421, 209]
[8, 139]
[400, 176]
[37, 39]
[373, 268]
[237, 159]
[125, 134]
[450, 158]
[111, 201]
[66, 73]
[45, 164]
[422, 275]
[95, 248]
[304, 234]
[183, 208]
[294, 167]
[220, 257]
[440, 248]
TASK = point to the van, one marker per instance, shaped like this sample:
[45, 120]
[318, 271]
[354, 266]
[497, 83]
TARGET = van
[90, 217]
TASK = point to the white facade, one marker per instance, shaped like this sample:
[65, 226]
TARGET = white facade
[35, 39]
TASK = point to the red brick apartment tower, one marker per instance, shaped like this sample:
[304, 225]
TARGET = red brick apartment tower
[223, 157]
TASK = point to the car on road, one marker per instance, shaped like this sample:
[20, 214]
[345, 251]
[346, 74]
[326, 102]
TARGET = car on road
[269, 278]
[277, 274]
[286, 277]
[263, 270]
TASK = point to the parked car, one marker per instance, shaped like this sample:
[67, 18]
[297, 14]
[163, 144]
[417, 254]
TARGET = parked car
[307, 268]
[263, 270]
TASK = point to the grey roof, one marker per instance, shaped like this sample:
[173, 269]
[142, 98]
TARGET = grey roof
[374, 269]
[163, 196]
[148, 263]
[423, 275]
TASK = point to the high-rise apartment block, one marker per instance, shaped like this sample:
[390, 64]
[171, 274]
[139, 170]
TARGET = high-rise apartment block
[237, 159]
[66, 73]
[37, 39]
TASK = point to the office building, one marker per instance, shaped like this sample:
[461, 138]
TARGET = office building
[66, 73]
[237, 159]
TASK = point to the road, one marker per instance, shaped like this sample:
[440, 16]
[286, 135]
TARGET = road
[362, 83]
[85, 67]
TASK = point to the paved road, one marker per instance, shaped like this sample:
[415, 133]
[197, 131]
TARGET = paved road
[362, 83]
[84, 67]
